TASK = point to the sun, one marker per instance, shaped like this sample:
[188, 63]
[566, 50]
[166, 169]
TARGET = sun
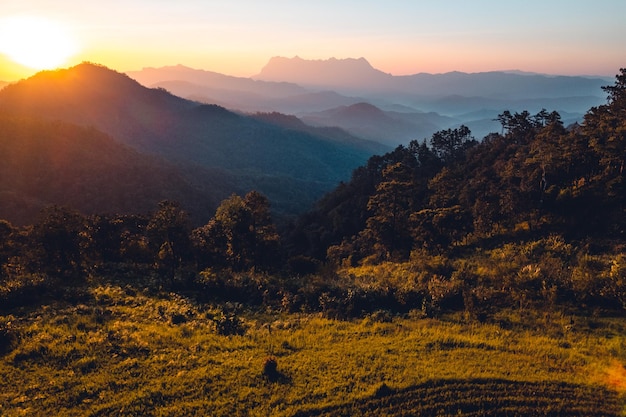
[36, 42]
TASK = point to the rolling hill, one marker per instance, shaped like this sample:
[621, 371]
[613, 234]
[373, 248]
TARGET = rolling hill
[390, 127]
[46, 163]
[292, 167]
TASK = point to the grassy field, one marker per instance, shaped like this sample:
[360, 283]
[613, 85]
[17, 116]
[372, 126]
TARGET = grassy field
[121, 351]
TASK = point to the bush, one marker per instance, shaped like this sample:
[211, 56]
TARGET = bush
[270, 368]
[227, 325]
[8, 335]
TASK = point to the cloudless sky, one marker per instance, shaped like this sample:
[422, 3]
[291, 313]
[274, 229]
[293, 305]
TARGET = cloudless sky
[238, 37]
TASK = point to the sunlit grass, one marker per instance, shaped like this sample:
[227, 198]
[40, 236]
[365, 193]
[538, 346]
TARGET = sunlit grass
[126, 352]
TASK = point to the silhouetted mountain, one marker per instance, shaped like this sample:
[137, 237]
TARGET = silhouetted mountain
[292, 168]
[339, 74]
[3, 84]
[50, 162]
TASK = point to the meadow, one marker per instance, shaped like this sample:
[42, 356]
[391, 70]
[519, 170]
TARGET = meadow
[113, 349]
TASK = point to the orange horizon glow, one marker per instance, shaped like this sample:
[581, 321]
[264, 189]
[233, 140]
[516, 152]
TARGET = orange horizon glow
[238, 38]
[123, 61]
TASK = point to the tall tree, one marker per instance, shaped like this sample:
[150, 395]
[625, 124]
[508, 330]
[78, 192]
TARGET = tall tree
[58, 235]
[391, 207]
[168, 232]
[247, 232]
[450, 145]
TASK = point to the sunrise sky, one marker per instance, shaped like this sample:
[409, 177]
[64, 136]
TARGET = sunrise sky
[238, 37]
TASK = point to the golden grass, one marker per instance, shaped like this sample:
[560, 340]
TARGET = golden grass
[125, 352]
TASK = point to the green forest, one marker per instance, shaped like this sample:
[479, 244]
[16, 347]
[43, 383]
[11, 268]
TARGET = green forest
[524, 224]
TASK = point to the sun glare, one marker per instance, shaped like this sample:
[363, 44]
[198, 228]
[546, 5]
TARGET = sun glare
[36, 42]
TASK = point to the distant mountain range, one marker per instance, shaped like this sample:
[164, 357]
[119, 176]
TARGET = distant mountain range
[238, 93]
[323, 93]
[357, 75]
[214, 151]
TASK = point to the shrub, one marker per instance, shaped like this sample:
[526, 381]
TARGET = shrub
[8, 335]
[270, 368]
[227, 325]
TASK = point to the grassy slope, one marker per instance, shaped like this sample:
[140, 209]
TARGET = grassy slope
[119, 352]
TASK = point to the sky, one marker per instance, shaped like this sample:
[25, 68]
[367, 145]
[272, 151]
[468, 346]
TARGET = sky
[401, 37]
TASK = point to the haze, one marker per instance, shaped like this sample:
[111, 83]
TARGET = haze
[401, 37]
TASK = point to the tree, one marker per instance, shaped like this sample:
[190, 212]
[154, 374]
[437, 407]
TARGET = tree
[265, 239]
[7, 246]
[518, 126]
[605, 126]
[58, 235]
[450, 145]
[244, 230]
[168, 232]
[440, 227]
[208, 243]
[391, 207]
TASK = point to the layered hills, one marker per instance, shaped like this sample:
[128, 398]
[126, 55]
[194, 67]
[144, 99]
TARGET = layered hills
[215, 151]
[292, 132]
[323, 92]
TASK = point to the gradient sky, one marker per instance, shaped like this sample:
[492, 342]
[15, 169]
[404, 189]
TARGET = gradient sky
[238, 37]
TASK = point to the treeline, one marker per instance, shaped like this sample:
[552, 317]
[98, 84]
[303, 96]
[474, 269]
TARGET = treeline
[532, 217]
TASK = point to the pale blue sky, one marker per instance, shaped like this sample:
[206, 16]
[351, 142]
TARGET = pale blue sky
[401, 37]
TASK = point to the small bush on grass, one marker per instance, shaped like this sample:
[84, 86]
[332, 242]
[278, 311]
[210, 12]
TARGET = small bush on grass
[9, 335]
[228, 325]
[270, 368]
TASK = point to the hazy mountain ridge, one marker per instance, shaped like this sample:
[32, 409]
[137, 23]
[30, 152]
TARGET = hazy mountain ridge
[252, 102]
[338, 74]
[203, 140]
[151, 76]
[423, 103]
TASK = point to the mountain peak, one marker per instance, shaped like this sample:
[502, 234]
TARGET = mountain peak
[324, 73]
